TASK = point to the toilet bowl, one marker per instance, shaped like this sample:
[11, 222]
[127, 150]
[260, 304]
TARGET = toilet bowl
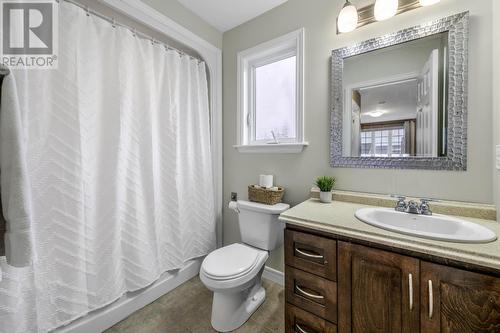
[236, 284]
[234, 272]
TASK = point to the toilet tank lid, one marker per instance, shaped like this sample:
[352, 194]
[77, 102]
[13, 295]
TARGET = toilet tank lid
[263, 208]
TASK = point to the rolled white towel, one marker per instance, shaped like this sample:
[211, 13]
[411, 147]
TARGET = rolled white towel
[18, 248]
[14, 181]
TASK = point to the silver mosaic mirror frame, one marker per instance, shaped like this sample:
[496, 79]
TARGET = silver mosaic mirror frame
[456, 158]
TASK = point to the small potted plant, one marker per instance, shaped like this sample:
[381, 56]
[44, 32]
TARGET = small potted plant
[325, 184]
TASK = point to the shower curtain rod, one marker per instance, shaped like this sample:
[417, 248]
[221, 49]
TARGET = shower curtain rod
[114, 23]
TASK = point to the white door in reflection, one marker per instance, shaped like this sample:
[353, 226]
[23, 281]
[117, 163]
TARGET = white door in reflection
[427, 107]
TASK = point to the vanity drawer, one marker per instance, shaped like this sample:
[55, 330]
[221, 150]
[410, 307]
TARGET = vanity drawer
[310, 253]
[300, 321]
[311, 293]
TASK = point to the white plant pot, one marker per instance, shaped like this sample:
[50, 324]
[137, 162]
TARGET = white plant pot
[325, 197]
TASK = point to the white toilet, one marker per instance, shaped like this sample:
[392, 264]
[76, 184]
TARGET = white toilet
[234, 272]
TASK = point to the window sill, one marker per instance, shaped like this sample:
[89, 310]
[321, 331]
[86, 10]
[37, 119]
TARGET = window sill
[280, 148]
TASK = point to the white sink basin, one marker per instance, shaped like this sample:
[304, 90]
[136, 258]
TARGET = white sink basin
[440, 227]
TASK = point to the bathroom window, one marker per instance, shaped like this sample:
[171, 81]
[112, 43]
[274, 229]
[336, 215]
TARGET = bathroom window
[275, 101]
[270, 96]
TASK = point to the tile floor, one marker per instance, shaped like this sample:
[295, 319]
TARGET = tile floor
[187, 309]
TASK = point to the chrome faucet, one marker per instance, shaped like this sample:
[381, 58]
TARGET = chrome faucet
[412, 207]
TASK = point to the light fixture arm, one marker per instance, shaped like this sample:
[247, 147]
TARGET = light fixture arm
[347, 3]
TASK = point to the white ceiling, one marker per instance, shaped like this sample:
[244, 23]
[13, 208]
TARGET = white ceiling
[227, 14]
[396, 101]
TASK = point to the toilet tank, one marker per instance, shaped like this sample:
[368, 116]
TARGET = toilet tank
[259, 224]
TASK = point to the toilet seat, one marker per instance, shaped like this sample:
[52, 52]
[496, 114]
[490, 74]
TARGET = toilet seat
[231, 262]
[224, 269]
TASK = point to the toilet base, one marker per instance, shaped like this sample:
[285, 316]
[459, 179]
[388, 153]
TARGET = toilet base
[233, 309]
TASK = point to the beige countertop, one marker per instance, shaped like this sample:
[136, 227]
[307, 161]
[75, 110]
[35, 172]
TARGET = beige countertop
[338, 218]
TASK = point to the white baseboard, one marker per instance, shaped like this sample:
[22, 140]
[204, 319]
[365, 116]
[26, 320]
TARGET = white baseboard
[102, 319]
[274, 275]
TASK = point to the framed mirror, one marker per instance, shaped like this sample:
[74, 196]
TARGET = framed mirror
[400, 100]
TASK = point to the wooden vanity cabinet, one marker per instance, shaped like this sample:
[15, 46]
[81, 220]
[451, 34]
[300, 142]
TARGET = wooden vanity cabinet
[378, 291]
[454, 300]
[371, 290]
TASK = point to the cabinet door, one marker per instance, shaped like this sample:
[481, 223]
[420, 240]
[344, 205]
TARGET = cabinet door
[458, 301]
[378, 291]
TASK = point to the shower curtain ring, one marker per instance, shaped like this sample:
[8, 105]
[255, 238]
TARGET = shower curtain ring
[153, 41]
[87, 10]
[134, 32]
[113, 23]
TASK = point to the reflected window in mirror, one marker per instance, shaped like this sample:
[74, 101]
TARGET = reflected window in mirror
[388, 142]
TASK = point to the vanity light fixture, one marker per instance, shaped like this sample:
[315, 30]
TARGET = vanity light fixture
[385, 9]
[424, 3]
[348, 18]
[351, 17]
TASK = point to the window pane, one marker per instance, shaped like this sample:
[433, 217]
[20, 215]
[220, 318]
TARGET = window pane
[366, 143]
[275, 102]
[397, 142]
[381, 143]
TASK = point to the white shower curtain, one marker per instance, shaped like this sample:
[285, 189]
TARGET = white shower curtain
[119, 162]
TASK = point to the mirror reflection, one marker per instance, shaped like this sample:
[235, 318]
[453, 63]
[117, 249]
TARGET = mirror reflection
[396, 101]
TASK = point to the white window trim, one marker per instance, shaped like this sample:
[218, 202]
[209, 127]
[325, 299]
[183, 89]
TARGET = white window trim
[259, 55]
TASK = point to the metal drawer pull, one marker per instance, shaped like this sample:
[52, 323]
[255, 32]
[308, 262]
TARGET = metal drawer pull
[308, 294]
[431, 300]
[305, 254]
[410, 287]
[299, 329]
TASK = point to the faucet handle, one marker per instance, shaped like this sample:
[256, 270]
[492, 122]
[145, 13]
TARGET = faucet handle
[401, 204]
[425, 209]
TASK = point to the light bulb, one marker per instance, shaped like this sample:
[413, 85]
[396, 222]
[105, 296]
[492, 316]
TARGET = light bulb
[385, 9]
[348, 18]
[376, 114]
[428, 2]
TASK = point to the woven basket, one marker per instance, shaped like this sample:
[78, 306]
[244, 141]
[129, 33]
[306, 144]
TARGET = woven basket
[265, 196]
